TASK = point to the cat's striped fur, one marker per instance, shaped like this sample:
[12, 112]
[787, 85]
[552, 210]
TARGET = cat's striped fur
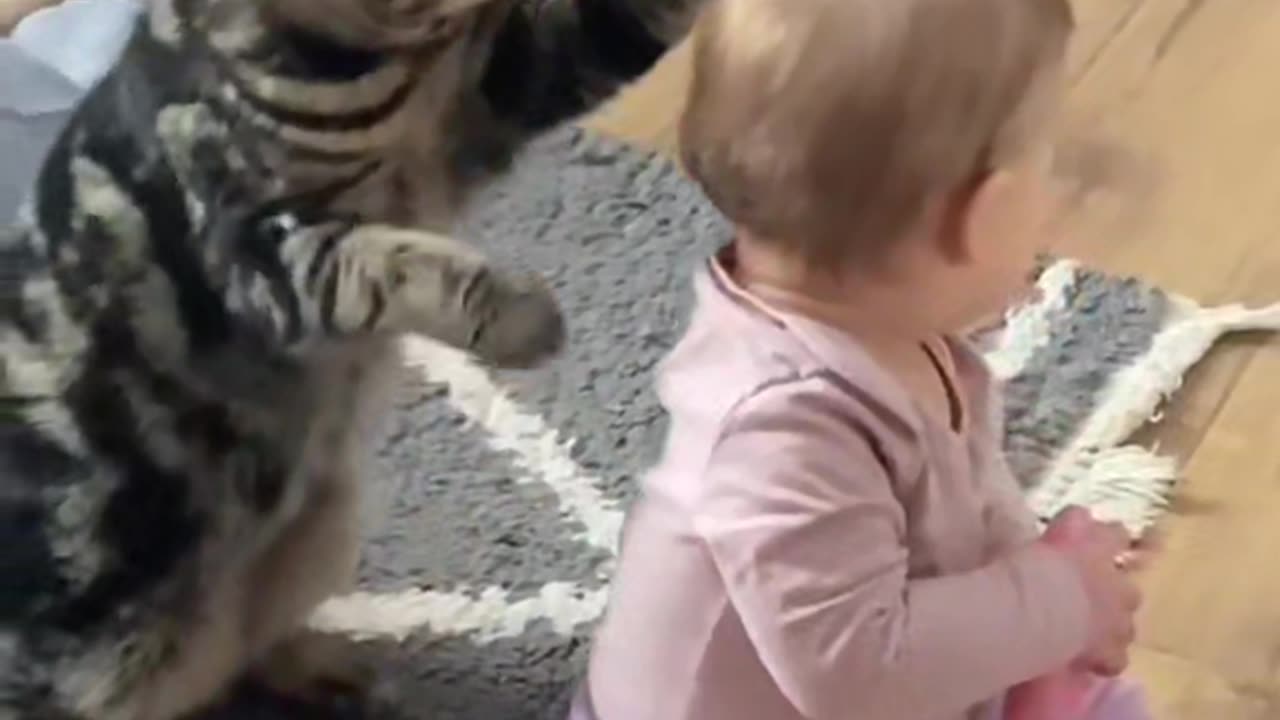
[227, 238]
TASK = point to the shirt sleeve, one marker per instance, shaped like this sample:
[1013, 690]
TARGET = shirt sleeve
[800, 516]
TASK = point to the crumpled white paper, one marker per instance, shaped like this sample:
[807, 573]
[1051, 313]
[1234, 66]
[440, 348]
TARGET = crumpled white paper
[52, 58]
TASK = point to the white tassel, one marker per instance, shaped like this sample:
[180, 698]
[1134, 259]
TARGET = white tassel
[1134, 395]
[1130, 484]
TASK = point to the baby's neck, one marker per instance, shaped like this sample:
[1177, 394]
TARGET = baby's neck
[887, 319]
[869, 306]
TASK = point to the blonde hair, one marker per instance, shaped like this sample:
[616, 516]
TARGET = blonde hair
[830, 123]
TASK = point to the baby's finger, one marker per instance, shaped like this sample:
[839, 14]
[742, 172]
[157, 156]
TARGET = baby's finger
[1111, 663]
[1133, 560]
[1127, 635]
[1119, 664]
[1150, 543]
[1129, 595]
[1071, 522]
[1113, 536]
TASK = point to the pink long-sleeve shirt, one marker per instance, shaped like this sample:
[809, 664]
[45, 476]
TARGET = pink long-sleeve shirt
[814, 546]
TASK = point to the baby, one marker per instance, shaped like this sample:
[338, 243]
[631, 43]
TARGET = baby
[832, 533]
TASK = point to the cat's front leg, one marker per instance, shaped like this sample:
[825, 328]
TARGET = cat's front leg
[336, 279]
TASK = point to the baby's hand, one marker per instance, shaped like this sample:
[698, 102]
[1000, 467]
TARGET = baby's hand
[1097, 550]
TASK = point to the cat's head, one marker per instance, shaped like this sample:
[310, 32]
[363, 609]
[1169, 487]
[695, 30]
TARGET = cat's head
[378, 24]
[369, 24]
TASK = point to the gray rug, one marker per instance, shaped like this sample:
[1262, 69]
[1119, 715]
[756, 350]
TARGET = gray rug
[498, 498]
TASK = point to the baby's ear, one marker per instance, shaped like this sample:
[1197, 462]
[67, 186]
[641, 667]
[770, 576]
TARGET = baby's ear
[976, 219]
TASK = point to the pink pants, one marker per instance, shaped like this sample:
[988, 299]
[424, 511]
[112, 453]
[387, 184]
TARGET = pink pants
[1118, 700]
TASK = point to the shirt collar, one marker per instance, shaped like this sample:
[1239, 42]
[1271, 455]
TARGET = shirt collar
[835, 350]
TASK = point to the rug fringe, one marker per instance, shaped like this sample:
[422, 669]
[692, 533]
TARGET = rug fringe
[1136, 393]
[1239, 318]
[1127, 484]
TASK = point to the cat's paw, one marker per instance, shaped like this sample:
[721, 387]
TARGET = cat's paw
[518, 323]
[435, 286]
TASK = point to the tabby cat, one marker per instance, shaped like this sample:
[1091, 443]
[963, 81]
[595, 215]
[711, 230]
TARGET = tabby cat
[227, 240]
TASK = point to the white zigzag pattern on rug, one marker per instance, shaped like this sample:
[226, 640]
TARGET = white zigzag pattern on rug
[536, 449]
[1097, 469]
